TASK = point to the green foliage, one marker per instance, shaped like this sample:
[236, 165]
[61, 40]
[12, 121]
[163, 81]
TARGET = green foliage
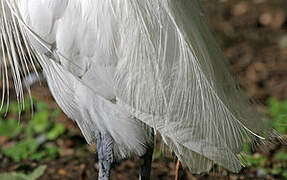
[48, 153]
[250, 159]
[281, 155]
[56, 131]
[277, 171]
[41, 106]
[40, 122]
[56, 113]
[30, 149]
[247, 148]
[278, 112]
[41, 125]
[157, 154]
[10, 128]
[37, 173]
[16, 108]
[255, 160]
[21, 150]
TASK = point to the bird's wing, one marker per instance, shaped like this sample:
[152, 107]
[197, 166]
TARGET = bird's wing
[66, 32]
[172, 76]
[73, 43]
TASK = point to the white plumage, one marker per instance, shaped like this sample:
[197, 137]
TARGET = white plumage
[123, 66]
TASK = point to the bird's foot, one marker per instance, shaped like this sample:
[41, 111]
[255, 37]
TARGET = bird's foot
[105, 146]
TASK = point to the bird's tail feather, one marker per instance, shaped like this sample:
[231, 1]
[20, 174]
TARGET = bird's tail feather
[187, 95]
[225, 116]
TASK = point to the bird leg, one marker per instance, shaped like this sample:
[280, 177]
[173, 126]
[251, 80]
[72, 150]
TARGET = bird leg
[105, 146]
[145, 164]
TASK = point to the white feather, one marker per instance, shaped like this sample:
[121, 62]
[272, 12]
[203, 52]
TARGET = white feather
[120, 66]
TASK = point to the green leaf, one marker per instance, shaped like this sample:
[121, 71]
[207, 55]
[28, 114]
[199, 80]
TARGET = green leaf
[21, 150]
[52, 152]
[14, 108]
[284, 174]
[278, 111]
[13, 176]
[10, 128]
[38, 156]
[56, 131]
[42, 106]
[48, 153]
[40, 122]
[254, 161]
[3, 110]
[27, 105]
[276, 171]
[29, 132]
[55, 113]
[247, 148]
[38, 172]
[282, 155]
[157, 154]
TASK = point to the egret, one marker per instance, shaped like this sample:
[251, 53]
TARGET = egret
[124, 70]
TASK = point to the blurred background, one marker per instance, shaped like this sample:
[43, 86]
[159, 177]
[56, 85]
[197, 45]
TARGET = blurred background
[45, 144]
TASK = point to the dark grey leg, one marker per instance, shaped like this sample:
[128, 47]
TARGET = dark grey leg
[105, 146]
[146, 160]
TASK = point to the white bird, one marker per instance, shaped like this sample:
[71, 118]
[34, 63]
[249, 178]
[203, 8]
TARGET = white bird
[123, 69]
